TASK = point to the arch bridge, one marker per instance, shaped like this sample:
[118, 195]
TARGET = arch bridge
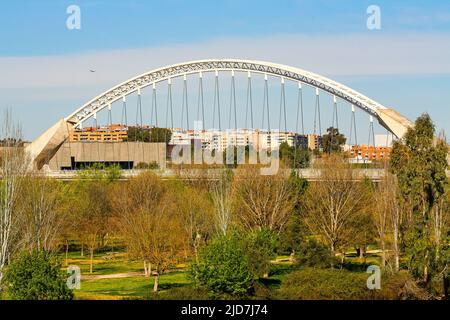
[48, 143]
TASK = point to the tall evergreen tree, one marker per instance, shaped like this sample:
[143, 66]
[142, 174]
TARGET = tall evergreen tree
[420, 161]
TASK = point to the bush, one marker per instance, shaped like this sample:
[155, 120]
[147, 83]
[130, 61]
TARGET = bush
[324, 284]
[224, 266]
[314, 254]
[261, 248]
[182, 293]
[400, 286]
[143, 165]
[37, 276]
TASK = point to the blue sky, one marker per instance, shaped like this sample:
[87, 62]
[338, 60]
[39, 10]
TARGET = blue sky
[43, 65]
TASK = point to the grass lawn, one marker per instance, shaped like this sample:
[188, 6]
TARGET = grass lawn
[104, 263]
[129, 288]
[140, 287]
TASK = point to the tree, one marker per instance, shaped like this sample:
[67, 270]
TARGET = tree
[419, 161]
[312, 253]
[14, 166]
[261, 247]
[388, 217]
[295, 231]
[150, 222]
[221, 195]
[40, 221]
[441, 241]
[332, 202]
[333, 140]
[94, 211]
[149, 135]
[37, 276]
[360, 231]
[224, 266]
[265, 201]
[196, 211]
[294, 157]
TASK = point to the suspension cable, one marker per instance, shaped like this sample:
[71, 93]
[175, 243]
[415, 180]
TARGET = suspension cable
[371, 131]
[353, 126]
[249, 100]
[300, 108]
[155, 108]
[216, 99]
[317, 114]
[141, 124]
[296, 135]
[334, 124]
[200, 102]
[266, 103]
[282, 106]
[185, 103]
[335, 112]
[83, 151]
[125, 118]
[97, 142]
[111, 132]
[169, 105]
[233, 102]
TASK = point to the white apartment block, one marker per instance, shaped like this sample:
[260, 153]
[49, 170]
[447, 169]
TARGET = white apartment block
[220, 140]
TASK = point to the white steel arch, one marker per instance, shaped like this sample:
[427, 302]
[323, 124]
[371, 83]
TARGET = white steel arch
[49, 142]
[309, 78]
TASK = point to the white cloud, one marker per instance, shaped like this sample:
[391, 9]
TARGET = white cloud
[332, 55]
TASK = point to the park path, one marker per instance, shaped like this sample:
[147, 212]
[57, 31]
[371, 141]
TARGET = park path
[119, 275]
[111, 276]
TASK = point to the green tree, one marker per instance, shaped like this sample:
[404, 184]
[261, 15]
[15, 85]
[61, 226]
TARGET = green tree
[294, 157]
[224, 266]
[91, 201]
[419, 161]
[261, 247]
[295, 230]
[149, 219]
[333, 140]
[149, 135]
[314, 254]
[37, 276]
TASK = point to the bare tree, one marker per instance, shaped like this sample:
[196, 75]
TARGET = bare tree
[264, 201]
[385, 212]
[389, 217]
[93, 223]
[333, 201]
[221, 195]
[13, 168]
[149, 220]
[41, 220]
[440, 221]
[197, 213]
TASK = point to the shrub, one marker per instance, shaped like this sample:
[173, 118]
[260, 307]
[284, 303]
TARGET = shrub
[151, 165]
[224, 266]
[37, 276]
[182, 293]
[315, 254]
[399, 286]
[261, 248]
[324, 284]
